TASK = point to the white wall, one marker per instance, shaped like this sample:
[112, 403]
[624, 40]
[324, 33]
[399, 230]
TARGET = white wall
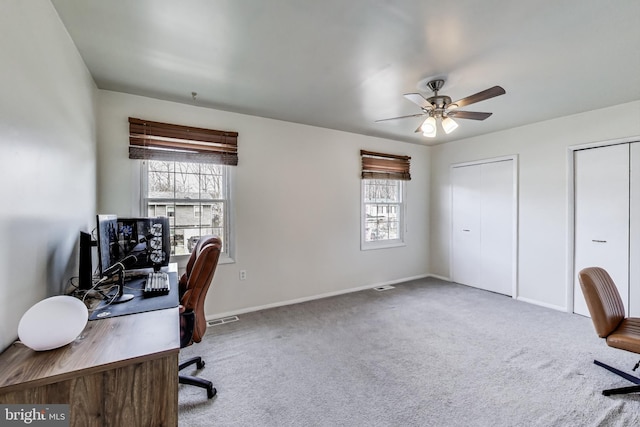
[47, 147]
[48, 136]
[543, 192]
[297, 203]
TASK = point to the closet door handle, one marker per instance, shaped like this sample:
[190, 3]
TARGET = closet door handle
[465, 229]
[599, 241]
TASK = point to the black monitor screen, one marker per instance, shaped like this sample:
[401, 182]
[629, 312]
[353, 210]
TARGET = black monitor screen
[108, 249]
[146, 238]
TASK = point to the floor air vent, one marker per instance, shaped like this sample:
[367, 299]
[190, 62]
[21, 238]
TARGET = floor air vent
[383, 288]
[222, 321]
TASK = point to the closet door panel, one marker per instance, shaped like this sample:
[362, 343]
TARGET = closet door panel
[466, 256]
[497, 226]
[602, 216]
[634, 231]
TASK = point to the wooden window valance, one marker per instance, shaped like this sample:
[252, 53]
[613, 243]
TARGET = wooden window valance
[168, 142]
[385, 166]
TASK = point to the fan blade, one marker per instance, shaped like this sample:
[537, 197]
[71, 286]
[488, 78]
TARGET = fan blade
[401, 117]
[420, 100]
[480, 96]
[473, 115]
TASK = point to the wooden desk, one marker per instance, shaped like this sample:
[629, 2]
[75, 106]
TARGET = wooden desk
[121, 371]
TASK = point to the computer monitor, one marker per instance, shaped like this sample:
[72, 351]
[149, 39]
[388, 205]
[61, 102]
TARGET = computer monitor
[142, 242]
[148, 239]
[111, 258]
[108, 248]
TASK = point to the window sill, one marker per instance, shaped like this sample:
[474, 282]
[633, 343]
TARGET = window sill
[381, 245]
[182, 260]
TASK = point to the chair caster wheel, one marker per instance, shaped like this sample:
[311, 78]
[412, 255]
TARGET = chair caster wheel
[211, 391]
[200, 364]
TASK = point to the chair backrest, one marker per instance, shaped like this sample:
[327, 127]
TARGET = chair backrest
[603, 300]
[197, 278]
[191, 262]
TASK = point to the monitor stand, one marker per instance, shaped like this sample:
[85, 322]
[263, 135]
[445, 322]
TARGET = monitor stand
[121, 297]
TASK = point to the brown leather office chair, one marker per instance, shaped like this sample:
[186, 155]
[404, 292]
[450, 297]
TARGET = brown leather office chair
[193, 286]
[608, 316]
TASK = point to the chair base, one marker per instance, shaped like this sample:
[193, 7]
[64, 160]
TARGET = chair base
[199, 382]
[628, 377]
[194, 360]
[195, 381]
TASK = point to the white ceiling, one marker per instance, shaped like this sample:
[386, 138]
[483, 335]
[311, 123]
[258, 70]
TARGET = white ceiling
[343, 64]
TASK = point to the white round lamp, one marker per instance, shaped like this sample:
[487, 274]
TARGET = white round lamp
[52, 323]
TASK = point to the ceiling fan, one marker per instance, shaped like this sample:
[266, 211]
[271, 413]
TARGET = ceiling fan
[440, 107]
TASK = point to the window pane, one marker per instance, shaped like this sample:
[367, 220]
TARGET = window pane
[161, 184]
[187, 185]
[382, 190]
[217, 215]
[211, 185]
[155, 165]
[393, 230]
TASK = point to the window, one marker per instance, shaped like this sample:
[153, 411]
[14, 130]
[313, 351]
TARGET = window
[186, 173]
[196, 197]
[383, 212]
[383, 199]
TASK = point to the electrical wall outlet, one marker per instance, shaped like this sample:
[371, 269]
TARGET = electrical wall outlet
[243, 274]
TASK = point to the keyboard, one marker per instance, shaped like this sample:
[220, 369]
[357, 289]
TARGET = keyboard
[157, 284]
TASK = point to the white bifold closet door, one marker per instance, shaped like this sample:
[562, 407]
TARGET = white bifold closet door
[483, 203]
[634, 230]
[466, 251]
[602, 217]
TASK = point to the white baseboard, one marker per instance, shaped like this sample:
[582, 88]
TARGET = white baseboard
[360, 288]
[435, 276]
[542, 304]
[311, 298]
[523, 299]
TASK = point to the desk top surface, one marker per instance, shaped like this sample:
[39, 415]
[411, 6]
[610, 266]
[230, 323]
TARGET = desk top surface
[103, 344]
[139, 303]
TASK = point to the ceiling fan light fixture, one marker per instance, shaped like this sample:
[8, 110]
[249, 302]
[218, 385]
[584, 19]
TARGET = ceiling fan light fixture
[449, 125]
[438, 107]
[428, 128]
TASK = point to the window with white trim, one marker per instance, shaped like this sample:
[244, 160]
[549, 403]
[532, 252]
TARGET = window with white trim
[383, 213]
[186, 174]
[383, 199]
